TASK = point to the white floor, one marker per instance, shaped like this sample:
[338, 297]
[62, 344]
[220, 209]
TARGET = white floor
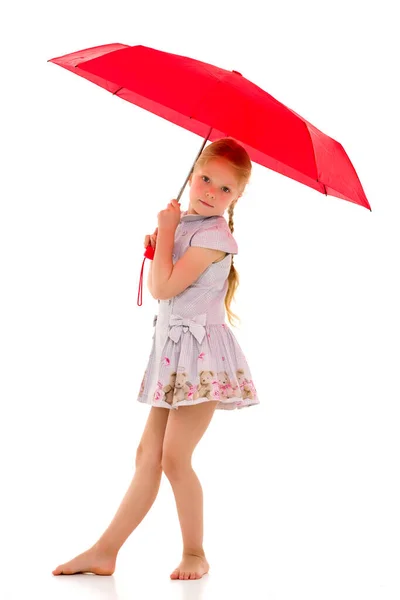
[314, 573]
[279, 525]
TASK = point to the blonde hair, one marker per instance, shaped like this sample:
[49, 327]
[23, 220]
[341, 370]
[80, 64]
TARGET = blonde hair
[239, 160]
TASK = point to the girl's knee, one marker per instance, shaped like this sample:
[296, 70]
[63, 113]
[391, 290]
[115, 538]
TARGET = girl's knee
[148, 457]
[174, 464]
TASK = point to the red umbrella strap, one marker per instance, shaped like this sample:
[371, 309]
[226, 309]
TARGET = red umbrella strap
[148, 254]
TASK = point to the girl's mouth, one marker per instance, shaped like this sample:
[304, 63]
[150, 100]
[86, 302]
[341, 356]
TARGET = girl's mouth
[205, 204]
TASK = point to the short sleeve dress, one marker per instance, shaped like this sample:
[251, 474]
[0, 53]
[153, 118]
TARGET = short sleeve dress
[195, 356]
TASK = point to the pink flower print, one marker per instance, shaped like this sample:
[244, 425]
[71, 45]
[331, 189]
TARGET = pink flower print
[208, 335]
[243, 383]
[201, 355]
[158, 393]
[223, 358]
[191, 392]
[215, 384]
[166, 361]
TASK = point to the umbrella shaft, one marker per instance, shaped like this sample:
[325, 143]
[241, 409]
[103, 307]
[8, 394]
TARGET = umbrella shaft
[192, 167]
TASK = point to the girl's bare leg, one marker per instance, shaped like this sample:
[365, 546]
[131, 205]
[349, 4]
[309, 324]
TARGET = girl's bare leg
[139, 498]
[185, 428]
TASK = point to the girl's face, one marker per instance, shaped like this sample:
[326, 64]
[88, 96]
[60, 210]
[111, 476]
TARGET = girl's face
[214, 184]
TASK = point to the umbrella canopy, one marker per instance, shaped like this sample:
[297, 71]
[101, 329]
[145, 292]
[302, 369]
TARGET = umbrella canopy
[215, 103]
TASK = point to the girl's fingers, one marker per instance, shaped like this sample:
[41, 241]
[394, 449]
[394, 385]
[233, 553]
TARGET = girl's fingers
[151, 239]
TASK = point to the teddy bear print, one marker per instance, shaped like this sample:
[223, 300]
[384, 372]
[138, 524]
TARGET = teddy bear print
[205, 388]
[181, 388]
[225, 386]
[169, 389]
[142, 384]
[245, 385]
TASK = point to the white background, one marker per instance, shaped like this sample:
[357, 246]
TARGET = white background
[300, 492]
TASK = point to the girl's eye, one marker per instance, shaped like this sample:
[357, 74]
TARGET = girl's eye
[225, 188]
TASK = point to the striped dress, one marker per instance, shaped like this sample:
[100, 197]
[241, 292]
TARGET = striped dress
[195, 356]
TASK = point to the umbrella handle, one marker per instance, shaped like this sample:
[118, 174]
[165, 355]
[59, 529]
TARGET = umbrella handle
[149, 252]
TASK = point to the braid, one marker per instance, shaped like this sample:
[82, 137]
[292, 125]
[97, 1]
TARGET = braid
[230, 213]
[233, 277]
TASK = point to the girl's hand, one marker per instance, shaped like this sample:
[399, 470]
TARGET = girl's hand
[170, 217]
[151, 239]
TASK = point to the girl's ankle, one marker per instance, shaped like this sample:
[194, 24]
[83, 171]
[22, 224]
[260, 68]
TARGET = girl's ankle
[194, 552]
[105, 549]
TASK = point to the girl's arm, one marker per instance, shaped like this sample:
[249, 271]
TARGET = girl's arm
[150, 279]
[162, 261]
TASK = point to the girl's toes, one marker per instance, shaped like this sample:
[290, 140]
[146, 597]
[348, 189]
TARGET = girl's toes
[192, 576]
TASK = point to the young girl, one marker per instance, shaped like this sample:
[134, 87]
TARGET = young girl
[195, 365]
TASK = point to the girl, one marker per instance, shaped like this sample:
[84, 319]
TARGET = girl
[195, 363]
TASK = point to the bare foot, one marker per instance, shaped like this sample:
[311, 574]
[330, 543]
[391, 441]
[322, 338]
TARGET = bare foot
[92, 561]
[191, 567]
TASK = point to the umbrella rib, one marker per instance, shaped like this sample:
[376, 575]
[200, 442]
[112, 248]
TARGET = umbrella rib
[325, 192]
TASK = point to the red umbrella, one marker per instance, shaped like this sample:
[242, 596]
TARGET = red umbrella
[215, 103]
